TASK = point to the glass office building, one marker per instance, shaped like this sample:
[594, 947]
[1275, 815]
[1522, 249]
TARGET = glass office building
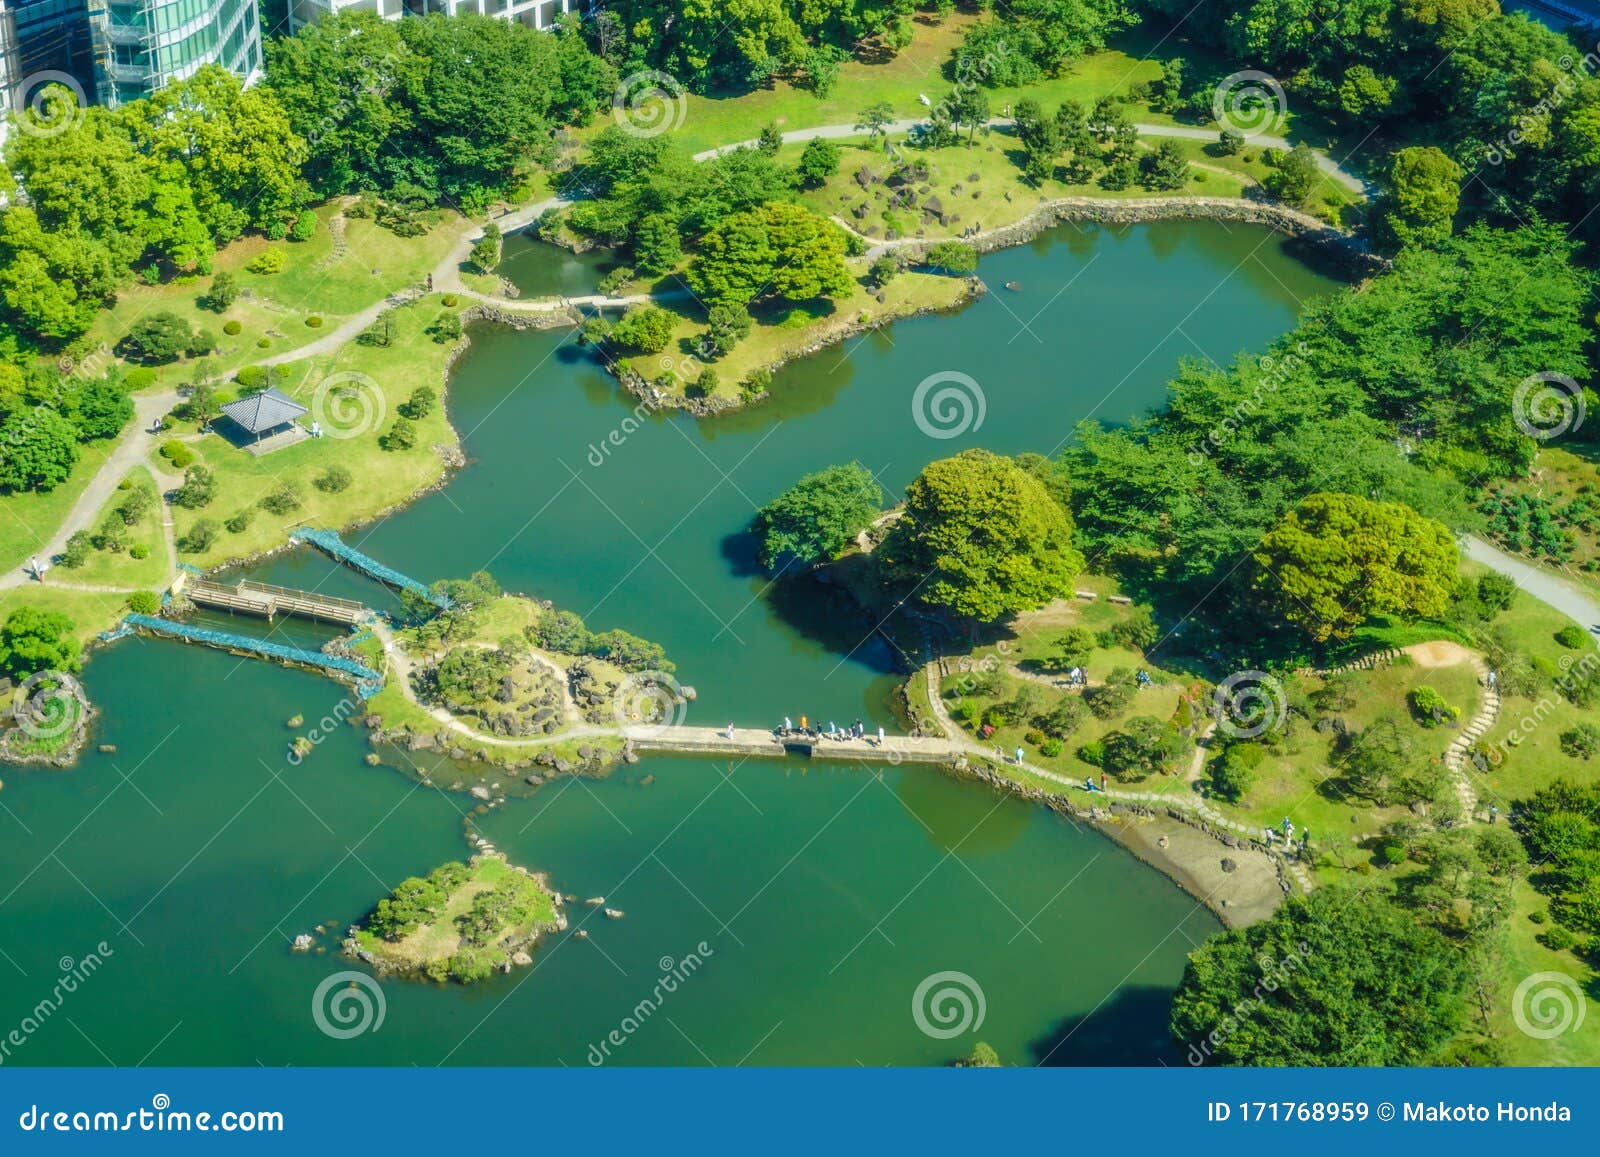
[142, 45]
[533, 13]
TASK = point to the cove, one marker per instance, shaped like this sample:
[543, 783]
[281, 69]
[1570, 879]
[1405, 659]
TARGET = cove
[824, 895]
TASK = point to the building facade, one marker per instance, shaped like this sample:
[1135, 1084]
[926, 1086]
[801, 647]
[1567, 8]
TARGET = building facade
[541, 14]
[142, 45]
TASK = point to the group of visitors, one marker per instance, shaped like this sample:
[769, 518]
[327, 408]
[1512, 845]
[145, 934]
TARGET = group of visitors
[787, 730]
[1270, 836]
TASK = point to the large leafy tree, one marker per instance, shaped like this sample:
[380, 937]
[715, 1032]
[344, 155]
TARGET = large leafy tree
[38, 449]
[1423, 196]
[33, 640]
[1355, 982]
[981, 537]
[778, 250]
[818, 516]
[1339, 559]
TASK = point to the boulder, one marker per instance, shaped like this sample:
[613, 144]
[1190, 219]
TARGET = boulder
[480, 792]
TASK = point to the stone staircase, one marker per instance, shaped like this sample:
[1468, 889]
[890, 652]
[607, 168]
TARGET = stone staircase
[1455, 757]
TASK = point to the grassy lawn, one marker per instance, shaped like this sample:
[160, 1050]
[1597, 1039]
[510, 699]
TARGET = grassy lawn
[971, 185]
[317, 280]
[1523, 957]
[120, 568]
[918, 70]
[380, 478]
[29, 518]
[782, 332]
[90, 611]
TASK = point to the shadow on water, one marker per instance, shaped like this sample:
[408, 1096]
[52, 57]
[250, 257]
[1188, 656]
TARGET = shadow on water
[1129, 1030]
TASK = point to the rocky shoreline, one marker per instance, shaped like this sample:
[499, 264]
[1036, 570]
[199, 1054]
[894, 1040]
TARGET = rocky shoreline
[1233, 877]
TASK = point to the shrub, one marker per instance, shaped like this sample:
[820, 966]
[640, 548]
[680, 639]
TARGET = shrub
[1064, 718]
[401, 436]
[1109, 698]
[263, 343]
[198, 489]
[645, 328]
[446, 327]
[420, 404]
[224, 292]
[231, 327]
[333, 480]
[240, 522]
[1429, 707]
[144, 602]
[313, 322]
[1391, 854]
[1557, 938]
[1093, 753]
[201, 537]
[304, 227]
[139, 550]
[177, 453]
[1582, 741]
[449, 300]
[1050, 748]
[1234, 774]
[1033, 737]
[282, 499]
[157, 339]
[268, 261]
[1572, 636]
[251, 377]
[77, 550]
[202, 343]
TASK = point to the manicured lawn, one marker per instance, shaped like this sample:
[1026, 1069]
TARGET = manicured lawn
[380, 478]
[28, 519]
[90, 611]
[972, 185]
[317, 280]
[120, 568]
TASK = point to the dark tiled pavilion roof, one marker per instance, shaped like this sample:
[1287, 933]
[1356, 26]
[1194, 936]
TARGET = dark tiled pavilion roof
[267, 410]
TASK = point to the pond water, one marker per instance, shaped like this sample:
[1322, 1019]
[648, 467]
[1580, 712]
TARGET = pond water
[823, 895]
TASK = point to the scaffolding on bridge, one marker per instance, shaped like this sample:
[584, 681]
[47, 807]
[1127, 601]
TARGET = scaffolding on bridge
[367, 681]
[336, 547]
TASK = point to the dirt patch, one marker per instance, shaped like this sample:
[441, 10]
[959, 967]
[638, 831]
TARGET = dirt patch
[1246, 895]
[1439, 653]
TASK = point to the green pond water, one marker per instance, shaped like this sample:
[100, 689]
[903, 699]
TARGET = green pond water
[824, 895]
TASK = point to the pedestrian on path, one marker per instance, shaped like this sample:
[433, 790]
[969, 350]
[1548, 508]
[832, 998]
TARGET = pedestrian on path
[1102, 781]
[1019, 756]
[880, 737]
[730, 731]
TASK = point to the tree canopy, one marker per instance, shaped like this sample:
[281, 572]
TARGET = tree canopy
[817, 516]
[777, 250]
[982, 538]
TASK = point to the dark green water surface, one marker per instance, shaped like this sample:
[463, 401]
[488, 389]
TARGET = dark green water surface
[823, 895]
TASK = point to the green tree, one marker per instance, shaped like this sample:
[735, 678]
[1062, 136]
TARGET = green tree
[777, 250]
[401, 436]
[982, 538]
[1423, 197]
[224, 291]
[198, 489]
[818, 162]
[818, 516]
[874, 120]
[38, 449]
[1144, 745]
[956, 258]
[1357, 982]
[970, 107]
[157, 339]
[1338, 559]
[645, 328]
[33, 640]
[1234, 772]
[487, 250]
[1296, 176]
[657, 245]
[726, 327]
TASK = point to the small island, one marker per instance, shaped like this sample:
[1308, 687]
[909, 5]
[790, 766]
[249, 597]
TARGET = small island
[461, 922]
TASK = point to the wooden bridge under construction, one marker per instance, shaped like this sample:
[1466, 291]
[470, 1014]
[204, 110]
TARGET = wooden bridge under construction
[267, 601]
